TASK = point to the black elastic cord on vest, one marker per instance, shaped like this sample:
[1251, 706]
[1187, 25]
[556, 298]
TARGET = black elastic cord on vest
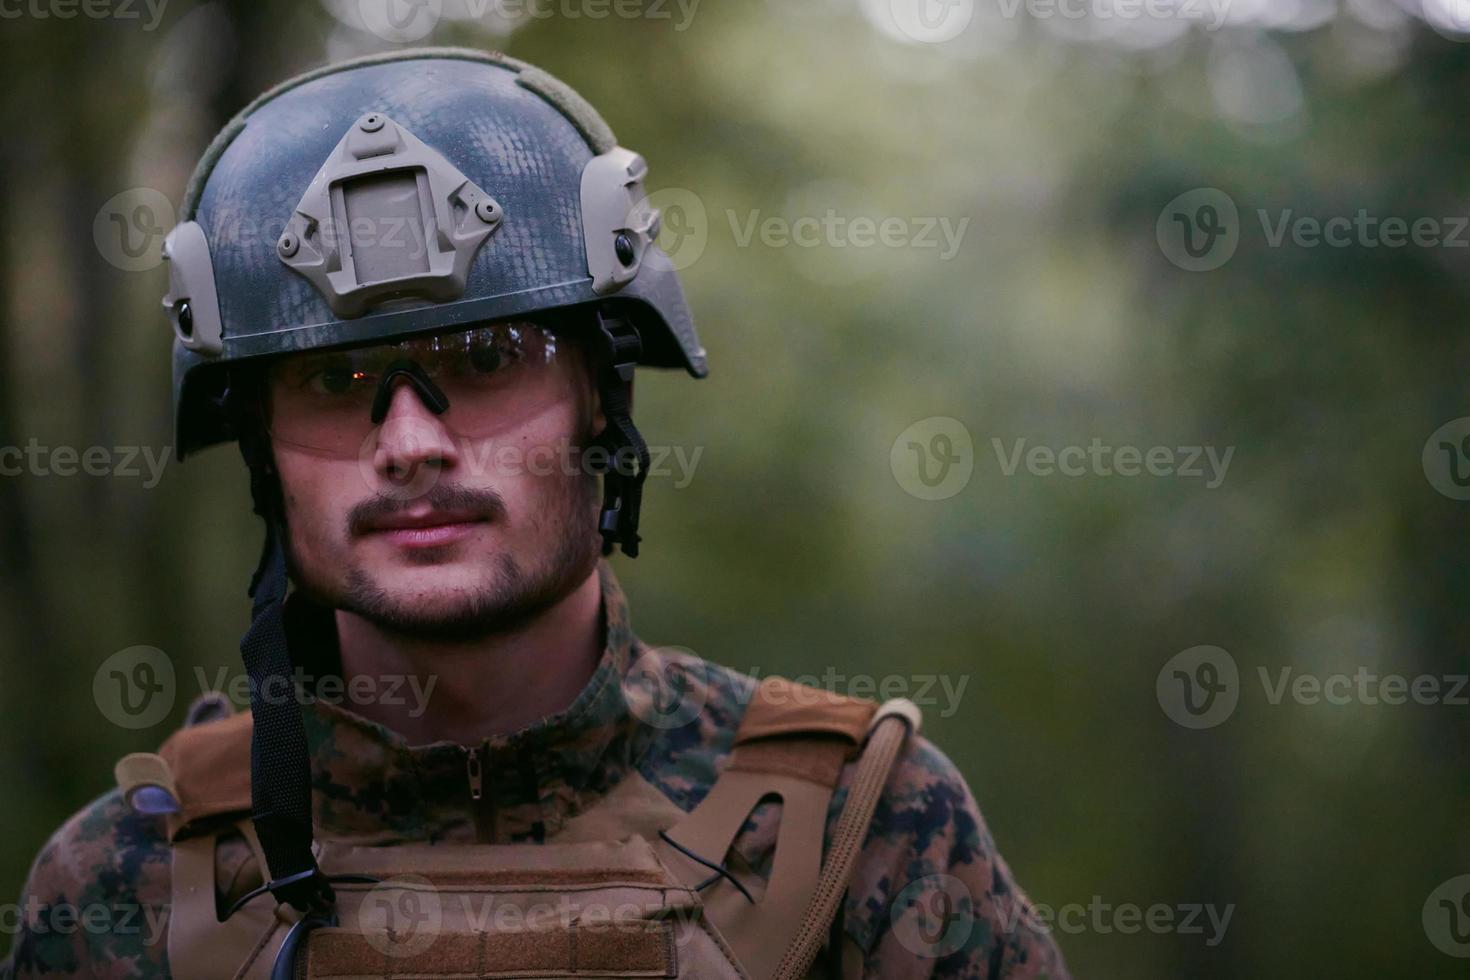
[720, 871]
[622, 481]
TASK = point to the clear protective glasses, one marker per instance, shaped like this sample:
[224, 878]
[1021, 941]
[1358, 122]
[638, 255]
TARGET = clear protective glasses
[480, 382]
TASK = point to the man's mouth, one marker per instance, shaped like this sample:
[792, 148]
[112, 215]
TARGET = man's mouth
[425, 528]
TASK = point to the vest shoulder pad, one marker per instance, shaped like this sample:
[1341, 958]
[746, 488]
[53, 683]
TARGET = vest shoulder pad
[210, 764]
[781, 707]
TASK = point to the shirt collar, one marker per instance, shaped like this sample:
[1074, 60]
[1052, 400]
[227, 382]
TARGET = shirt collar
[371, 786]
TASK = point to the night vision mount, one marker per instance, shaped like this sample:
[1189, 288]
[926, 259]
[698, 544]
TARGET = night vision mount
[385, 218]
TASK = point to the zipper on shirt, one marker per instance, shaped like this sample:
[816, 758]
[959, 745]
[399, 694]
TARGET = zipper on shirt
[480, 801]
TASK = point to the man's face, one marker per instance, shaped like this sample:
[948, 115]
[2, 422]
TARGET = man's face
[447, 526]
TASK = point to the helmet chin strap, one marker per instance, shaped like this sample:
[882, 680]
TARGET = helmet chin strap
[280, 766]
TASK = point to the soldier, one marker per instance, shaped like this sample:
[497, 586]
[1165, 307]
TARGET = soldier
[429, 374]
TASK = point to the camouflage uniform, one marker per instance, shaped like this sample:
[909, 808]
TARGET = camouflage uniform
[930, 897]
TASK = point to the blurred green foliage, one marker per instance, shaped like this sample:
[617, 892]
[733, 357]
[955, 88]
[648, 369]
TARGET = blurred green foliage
[1059, 319]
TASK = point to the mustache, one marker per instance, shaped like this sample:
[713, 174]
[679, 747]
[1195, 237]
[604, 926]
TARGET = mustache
[447, 497]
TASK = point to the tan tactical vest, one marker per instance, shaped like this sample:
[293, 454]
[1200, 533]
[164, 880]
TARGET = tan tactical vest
[632, 887]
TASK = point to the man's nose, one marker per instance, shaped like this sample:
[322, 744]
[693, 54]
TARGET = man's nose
[411, 435]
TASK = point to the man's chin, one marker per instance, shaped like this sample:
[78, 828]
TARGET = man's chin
[452, 604]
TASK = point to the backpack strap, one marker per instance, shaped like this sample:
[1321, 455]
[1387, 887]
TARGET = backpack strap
[791, 746]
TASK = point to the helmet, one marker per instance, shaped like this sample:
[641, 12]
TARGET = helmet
[526, 201]
[373, 200]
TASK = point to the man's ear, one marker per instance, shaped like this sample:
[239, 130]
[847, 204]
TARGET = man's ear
[599, 420]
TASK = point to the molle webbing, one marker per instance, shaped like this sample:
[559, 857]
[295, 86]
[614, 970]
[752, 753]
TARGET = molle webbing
[630, 949]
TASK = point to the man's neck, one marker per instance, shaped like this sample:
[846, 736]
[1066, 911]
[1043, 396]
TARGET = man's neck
[469, 692]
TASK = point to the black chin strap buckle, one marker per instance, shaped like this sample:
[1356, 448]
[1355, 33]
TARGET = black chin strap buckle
[308, 892]
[622, 488]
[620, 345]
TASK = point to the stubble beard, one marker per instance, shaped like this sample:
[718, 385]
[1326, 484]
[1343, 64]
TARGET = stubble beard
[510, 591]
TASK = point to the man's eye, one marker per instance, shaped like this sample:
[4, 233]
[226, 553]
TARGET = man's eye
[485, 358]
[336, 381]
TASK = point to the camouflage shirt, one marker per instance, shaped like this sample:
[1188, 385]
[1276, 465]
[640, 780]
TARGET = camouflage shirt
[930, 896]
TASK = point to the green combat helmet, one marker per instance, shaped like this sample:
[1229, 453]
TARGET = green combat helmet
[380, 199]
